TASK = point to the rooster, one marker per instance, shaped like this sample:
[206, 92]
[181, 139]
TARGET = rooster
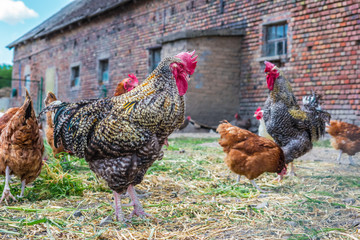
[120, 137]
[21, 148]
[345, 137]
[262, 128]
[124, 86]
[249, 154]
[293, 129]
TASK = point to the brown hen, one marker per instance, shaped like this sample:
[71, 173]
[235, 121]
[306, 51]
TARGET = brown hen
[4, 119]
[50, 97]
[21, 148]
[126, 85]
[249, 154]
[345, 137]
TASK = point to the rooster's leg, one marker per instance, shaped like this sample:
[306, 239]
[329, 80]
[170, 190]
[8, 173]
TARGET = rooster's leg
[22, 189]
[257, 187]
[138, 209]
[6, 193]
[292, 169]
[118, 211]
[339, 157]
[351, 161]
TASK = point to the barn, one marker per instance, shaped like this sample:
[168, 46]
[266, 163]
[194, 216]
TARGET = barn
[88, 46]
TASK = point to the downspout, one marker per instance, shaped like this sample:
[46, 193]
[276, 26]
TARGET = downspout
[41, 92]
[19, 94]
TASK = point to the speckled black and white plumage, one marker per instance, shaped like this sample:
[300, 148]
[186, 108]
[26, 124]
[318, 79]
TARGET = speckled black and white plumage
[292, 128]
[120, 137]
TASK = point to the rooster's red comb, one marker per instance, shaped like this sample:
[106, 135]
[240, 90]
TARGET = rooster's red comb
[269, 66]
[189, 59]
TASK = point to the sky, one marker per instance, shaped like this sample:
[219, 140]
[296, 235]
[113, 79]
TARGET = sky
[17, 17]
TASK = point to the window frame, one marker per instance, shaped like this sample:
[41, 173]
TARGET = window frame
[101, 72]
[152, 60]
[283, 39]
[72, 67]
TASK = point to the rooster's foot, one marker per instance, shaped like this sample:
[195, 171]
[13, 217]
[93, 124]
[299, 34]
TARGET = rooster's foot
[6, 194]
[139, 211]
[292, 174]
[351, 162]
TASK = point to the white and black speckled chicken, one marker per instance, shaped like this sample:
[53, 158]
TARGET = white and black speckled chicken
[120, 137]
[292, 128]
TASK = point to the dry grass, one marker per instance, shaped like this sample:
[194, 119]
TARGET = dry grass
[193, 196]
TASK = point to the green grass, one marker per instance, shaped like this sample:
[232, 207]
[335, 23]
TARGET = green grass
[322, 143]
[189, 143]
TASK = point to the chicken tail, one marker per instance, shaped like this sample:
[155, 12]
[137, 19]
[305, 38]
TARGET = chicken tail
[28, 106]
[52, 107]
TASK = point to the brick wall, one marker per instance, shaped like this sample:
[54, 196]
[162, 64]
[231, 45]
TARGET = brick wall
[323, 52]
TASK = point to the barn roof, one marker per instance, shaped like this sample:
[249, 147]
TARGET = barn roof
[74, 12]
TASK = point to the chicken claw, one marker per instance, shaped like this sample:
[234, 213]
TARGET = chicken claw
[138, 209]
[6, 194]
[292, 174]
[292, 170]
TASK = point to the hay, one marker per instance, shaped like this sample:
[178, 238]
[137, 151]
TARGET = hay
[193, 195]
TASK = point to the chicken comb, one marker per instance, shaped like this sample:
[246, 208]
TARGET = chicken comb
[269, 67]
[132, 76]
[272, 74]
[258, 110]
[189, 60]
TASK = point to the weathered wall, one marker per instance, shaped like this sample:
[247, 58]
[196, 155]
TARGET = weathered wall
[323, 53]
[214, 87]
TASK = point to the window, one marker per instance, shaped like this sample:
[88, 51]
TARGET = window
[75, 76]
[276, 40]
[27, 82]
[104, 71]
[155, 57]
